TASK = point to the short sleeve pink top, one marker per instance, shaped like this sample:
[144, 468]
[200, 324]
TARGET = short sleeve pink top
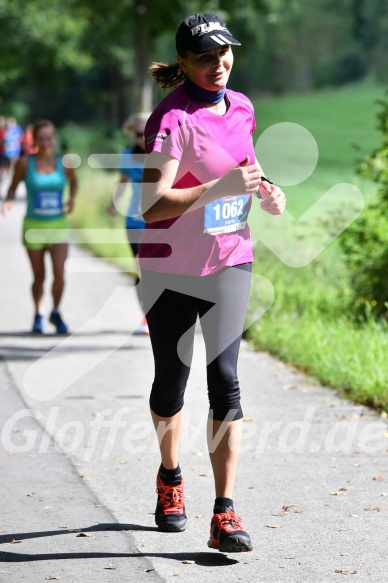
[207, 146]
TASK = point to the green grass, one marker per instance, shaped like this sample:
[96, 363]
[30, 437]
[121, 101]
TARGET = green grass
[309, 326]
[350, 358]
[90, 215]
[310, 322]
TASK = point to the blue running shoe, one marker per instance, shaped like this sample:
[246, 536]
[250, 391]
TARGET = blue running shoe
[38, 325]
[56, 319]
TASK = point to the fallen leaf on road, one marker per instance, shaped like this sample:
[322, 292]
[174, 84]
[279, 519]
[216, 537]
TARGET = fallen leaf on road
[123, 462]
[206, 474]
[198, 453]
[337, 493]
[30, 494]
[14, 541]
[52, 578]
[342, 529]
[199, 515]
[48, 507]
[376, 508]
[280, 514]
[273, 525]
[148, 570]
[384, 494]
[110, 568]
[99, 505]
[292, 508]
[353, 515]
[187, 562]
[379, 478]
[85, 534]
[248, 419]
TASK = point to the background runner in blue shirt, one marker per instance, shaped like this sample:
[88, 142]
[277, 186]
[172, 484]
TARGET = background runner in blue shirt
[131, 170]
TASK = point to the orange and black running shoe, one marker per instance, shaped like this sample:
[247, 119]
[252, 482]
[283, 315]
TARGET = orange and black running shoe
[170, 515]
[227, 534]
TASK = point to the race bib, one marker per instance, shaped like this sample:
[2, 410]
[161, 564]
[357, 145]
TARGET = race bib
[226, 215]
[48, 203]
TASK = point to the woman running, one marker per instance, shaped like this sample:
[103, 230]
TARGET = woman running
[132, 165]
[196, 255]
[45, 178]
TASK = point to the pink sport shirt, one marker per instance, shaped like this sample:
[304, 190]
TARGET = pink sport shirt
[207, 146]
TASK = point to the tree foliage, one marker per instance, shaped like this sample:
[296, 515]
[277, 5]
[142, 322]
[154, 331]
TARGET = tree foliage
[88, 59]
[40, 34]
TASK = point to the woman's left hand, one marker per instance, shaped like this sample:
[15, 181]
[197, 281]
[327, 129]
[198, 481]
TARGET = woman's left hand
[70, 205]
[274, 199]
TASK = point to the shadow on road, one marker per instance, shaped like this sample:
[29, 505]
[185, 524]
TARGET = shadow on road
[205, 559]
[20, 352]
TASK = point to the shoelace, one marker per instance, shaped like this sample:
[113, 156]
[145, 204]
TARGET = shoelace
[171, 498]
[229, 521]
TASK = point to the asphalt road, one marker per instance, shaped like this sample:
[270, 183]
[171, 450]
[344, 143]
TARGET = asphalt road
[78, 453]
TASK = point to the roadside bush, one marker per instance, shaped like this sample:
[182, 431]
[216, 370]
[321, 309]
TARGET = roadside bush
[366, 242]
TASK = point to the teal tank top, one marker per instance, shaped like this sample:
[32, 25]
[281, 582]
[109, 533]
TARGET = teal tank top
[45, 191]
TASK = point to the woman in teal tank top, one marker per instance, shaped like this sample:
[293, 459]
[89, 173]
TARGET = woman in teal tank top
[45, 226]
[45, 191]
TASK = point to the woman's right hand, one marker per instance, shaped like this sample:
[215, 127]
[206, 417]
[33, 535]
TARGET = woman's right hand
[244, 178]
[6, 206]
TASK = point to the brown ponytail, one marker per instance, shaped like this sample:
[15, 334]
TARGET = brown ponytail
[167, 75]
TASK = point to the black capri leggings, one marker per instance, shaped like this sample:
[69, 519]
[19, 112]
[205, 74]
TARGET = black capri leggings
[172, 303]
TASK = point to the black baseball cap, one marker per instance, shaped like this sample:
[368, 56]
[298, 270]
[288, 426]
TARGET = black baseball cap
[201, 33]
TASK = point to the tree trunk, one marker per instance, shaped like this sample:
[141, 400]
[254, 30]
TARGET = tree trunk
[142, 83]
